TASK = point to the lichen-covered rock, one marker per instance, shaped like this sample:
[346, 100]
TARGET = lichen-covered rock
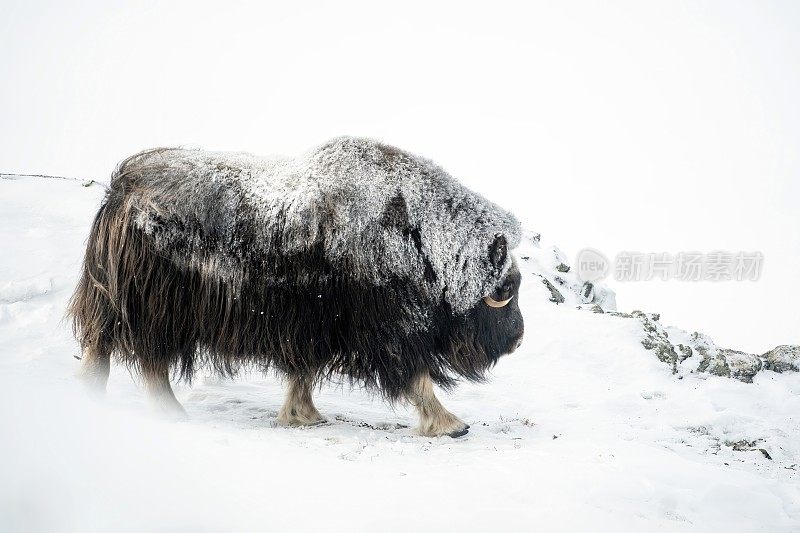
[655, 338]
[679, 351]
[620, 314]
[555, 296]
[684, 352]
[722, 361]
[587, 292]
[663, 349]
[743, 366]
[714, 364]
[784, 358]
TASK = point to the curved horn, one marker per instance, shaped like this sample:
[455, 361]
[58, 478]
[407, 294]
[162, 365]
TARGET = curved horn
[491, 302]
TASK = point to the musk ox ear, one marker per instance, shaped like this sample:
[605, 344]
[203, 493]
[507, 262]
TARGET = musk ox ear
[498, 251]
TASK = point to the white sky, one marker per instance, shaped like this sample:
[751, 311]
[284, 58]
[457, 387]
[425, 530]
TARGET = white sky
[633, 126]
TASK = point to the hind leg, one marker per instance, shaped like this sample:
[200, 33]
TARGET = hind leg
[434, 419]
[298, 409]
[159, 391]
[95, 367]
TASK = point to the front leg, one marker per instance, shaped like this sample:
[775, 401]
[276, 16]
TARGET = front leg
[298, 409]
[434, 419]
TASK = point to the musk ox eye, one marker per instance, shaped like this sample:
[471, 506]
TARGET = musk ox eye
[491, 302]
[498, 251]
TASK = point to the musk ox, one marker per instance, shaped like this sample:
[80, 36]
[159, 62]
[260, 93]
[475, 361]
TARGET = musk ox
[356, 260]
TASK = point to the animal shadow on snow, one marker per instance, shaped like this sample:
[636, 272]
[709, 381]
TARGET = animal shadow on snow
[256, 406]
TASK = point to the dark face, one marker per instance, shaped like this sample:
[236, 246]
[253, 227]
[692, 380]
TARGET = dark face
[497, 317]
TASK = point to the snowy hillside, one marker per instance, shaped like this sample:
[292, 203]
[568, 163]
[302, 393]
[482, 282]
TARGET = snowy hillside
[602, 419]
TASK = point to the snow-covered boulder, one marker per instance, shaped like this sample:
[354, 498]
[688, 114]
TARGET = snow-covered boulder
[782, 358]
[696, 352]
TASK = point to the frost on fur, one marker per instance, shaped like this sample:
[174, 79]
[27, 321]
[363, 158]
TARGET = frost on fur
[377, 211]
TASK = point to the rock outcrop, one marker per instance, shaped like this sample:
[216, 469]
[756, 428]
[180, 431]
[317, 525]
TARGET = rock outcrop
[684, 352]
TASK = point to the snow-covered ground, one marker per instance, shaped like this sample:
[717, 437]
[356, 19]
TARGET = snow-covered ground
[583, 428]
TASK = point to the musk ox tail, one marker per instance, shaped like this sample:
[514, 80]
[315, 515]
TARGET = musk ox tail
[92, 308]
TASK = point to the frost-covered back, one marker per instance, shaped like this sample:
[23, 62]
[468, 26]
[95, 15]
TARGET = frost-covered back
[376, 212]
